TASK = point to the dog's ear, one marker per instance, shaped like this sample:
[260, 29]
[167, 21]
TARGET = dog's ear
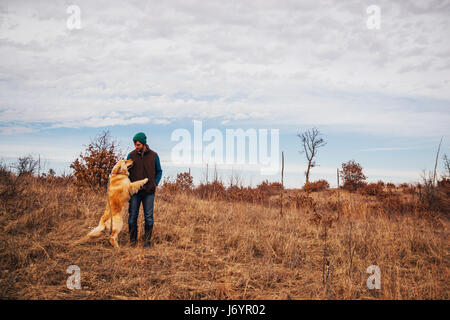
[117, 169]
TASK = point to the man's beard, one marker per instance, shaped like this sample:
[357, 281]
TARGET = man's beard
[143, 149]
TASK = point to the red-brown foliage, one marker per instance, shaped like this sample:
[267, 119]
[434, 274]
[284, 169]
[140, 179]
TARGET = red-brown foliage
[372, 189]
[211, 190]
[93, 167]
[184, 181]
[316, 186]
[352, 175]
[390, 185]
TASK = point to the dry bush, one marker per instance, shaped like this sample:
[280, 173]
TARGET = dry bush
[26, 165]
[6, 182]
[352, 175]
[429, 195]
[411, 189]
[444, 191]
[240, 193]
[392, 204]
[211, 190]
[266, 189]
[446, 174]
[269, 188]
[12, 185]
[300, 200]
[93, 167]
[372, 189]
[316, 186]
[167, 190]
[185, 181]
[390, 185]
[216, 190]
[333, 206]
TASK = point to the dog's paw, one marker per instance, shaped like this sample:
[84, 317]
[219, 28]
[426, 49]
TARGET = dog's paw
[145, 180]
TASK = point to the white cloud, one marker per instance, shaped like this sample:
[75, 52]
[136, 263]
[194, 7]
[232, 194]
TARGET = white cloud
[377, 149]
[15, 130]
[67, 153]
[283, 62]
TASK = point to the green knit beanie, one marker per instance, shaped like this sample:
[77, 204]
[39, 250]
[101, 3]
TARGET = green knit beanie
[140, 136]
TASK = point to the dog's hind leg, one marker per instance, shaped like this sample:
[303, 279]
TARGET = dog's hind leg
[97, 231]
[117, 227]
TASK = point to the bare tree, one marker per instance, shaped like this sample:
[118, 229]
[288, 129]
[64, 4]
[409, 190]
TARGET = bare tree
[311, 142]
[446, 166]
[435, 164]
[26, 165]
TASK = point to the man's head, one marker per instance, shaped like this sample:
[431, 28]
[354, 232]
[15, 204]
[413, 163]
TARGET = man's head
[139, 140]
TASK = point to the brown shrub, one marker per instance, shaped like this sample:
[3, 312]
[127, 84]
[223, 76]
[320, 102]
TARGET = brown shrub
[316, 186]
[240, 193]
[267, 188]
[168, 189]
[302, 200]
[429, 196]
[211, 190]
[410, 190]
[184, 181]
[444, 190]
[217, 190]
[372, 189]
[92, 168]
[352, 175]
[392, 204]
[390, 185]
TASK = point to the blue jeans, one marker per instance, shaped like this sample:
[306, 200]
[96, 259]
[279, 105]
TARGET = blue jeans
[133, 209]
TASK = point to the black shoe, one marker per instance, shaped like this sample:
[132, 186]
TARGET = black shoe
[148, 236]
[133, 236]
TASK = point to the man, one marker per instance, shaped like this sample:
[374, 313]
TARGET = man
[145, 165]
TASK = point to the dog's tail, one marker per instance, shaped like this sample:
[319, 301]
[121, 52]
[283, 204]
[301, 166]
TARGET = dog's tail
[94, 233]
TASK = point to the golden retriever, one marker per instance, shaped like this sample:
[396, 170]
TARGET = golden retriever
[119, 192]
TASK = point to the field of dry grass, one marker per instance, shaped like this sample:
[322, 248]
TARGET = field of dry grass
[218, 249]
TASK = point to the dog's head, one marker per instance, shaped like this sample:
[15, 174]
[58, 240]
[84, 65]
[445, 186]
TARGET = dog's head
[122, 167]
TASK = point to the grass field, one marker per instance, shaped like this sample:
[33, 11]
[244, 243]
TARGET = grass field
[319, 248]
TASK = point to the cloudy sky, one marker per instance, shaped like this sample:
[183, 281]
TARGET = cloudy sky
[379, 96]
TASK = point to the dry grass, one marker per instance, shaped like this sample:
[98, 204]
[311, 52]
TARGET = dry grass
[217, 249]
